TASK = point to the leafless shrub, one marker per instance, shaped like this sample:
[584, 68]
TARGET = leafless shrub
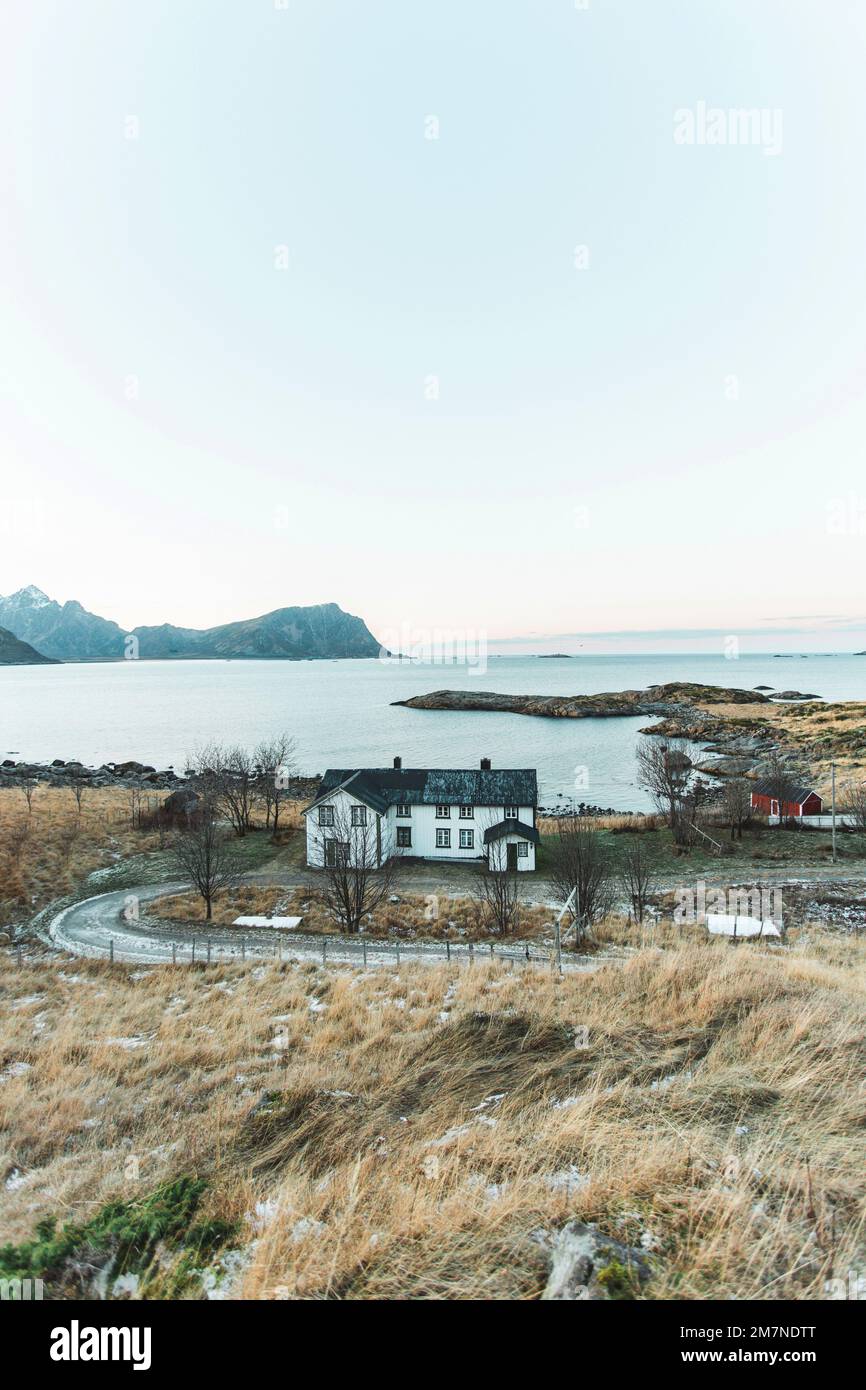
[497, 893]
[356, 881]
[204, 854]
[737, 804]
[276, 762]
[638, 865]
[854, 805]
[583, 872]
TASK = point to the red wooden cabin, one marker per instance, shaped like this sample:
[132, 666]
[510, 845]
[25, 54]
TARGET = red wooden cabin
[804, 801]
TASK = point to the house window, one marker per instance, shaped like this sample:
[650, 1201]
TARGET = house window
[443, 812]
[467, 813]
[511, 813]
[326, 815]
[404, 837]
[443, 839]
[336, 853]
[467, 839]
[359, 815]
[404, 811]
[523, 849]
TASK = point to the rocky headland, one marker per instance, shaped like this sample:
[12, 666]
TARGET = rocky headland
[734, 745]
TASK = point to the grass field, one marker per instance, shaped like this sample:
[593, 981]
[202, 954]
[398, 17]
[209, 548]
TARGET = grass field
[376, 1134]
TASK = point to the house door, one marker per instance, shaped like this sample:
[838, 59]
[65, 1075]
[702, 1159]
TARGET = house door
[336, 852]
[512, 858]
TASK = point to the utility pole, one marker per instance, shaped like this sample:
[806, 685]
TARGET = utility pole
[833, 806]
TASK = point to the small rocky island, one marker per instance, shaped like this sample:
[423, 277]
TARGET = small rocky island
[678, 697]
[729, 725]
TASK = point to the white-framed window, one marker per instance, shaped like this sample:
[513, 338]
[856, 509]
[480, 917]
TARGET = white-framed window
[359, 815]
[326, 815]
[511, 813]
[443, 812]
[443, 839]
[467, 839]
[467, 812]
[403, 810]
[523, 849]
[404, 837]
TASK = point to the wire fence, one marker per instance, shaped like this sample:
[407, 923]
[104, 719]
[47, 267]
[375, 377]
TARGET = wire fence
[325, 950]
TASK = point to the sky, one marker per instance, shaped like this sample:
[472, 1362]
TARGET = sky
[487, 318]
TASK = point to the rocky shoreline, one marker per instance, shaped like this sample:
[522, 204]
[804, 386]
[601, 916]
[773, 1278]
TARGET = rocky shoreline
[732, 749]
[128, 774]
[60, 773]
[665, 701]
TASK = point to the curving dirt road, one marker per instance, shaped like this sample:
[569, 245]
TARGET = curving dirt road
[116, 926]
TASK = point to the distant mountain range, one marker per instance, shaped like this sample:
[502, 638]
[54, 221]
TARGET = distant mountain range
[67, 632]
[14, 652]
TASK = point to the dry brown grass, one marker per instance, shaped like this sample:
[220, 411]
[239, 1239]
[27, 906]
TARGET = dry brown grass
[49, 851]
[631, 823]
[413, 916]
[817, 731]
[379, 1170]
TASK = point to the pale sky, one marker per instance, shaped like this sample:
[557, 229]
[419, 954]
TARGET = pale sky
[441, 413]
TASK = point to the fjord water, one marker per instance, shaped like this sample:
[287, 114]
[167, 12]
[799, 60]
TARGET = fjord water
[341, 712]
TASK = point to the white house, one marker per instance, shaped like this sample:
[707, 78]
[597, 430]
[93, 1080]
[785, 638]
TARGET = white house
[371, 815]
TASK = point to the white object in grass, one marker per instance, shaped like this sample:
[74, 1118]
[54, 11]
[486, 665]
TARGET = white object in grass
[287, 923]
[724, 924]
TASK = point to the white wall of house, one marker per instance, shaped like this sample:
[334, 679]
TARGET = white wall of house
[342, 803]
[432, 835]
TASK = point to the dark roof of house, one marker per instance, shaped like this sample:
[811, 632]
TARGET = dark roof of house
[795, 795]
[381, 787]
[511, 827]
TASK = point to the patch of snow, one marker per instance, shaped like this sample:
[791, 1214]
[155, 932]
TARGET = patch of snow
[662, 1083]
[263, 1214]
[490, 1101]
[128, 1044]
[16, 1069]
[15, 1180]
[306, 1227]
[567, 1180]
[125, 1285]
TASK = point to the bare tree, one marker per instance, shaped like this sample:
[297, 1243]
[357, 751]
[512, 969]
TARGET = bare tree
[664, 769]
[737, 804]
[28, 786]
[78, 789]
[637, 875]
[134, 799]
[276, 764]
[356, 880]
[854, 805]
[583, 865]
[497, 893]
[782, 781]
[227, 779]
[204, 853]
